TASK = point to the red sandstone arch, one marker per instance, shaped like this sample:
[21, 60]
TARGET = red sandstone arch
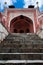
[21, 24]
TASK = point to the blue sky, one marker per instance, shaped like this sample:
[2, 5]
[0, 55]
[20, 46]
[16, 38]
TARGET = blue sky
[20, 3]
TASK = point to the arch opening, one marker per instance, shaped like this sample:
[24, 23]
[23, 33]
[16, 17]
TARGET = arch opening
[27, 30]
[15, 30]
[21, 24]
[21, 31]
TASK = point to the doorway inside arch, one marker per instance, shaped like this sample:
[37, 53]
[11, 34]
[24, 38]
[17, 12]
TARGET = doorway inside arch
[21, 24]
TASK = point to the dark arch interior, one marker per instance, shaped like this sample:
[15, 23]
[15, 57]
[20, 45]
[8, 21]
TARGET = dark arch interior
[25, 25]
[21, 31]
[27, 30]
[21, 16]
[15, 30]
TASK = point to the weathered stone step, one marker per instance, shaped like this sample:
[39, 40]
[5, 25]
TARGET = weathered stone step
[26, 41]
[21, 56]
[21, 46]
[22, 63]
[27, 36]
[18, 50]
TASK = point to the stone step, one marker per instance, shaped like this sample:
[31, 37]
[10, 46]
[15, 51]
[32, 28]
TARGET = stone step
[20, 50]
[22, 41]
[22, 36]
[21, 56]
[19, 63]
[21, 46]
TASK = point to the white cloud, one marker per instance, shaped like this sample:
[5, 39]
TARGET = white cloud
[40, 3]
[9, 2]
[28, 2]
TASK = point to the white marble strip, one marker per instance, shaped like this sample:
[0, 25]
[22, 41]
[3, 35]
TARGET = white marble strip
[21, 61]
[21, 53]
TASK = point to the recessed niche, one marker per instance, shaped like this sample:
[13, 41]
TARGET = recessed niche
[21, 31]
[27, 30]
[15, 30]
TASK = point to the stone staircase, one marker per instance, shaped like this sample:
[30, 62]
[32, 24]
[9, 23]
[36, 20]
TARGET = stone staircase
[25, 47]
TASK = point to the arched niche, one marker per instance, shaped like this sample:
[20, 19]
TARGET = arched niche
[21, 24]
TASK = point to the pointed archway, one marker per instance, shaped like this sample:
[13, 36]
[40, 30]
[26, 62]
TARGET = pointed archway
[21, 24]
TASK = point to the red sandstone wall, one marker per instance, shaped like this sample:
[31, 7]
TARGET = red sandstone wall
[36, 24]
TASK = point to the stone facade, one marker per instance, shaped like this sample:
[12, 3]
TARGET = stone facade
[32, 14]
